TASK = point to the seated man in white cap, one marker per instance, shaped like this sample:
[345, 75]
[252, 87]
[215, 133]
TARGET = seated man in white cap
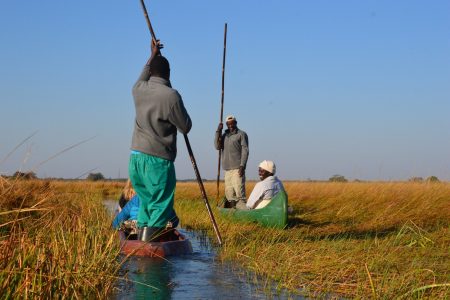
[264, 190]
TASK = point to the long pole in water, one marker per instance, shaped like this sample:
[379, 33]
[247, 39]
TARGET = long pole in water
[188, 145]
[221, 107]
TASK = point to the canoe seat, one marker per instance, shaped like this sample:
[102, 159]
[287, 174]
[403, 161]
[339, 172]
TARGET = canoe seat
[263, 203]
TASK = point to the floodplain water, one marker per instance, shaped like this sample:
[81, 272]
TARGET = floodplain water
[195, 276]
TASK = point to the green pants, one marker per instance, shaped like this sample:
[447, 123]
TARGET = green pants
[154, 181]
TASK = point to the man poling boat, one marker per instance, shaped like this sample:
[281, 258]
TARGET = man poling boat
[232, 147]
[160, 112]
[233, 144]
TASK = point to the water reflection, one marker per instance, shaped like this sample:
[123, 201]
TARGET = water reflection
[147, 279]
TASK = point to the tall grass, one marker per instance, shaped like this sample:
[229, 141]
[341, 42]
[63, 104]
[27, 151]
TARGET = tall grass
[363, 240]
[55, 240]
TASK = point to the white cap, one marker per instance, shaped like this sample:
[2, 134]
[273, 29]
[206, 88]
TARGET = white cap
[230, 118]
[269, 166]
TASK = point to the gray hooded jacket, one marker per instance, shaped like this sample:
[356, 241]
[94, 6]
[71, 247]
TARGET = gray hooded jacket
[159, 113]
[234, 146]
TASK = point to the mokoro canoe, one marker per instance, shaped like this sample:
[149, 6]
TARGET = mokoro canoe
[274, 214]
[154, 249]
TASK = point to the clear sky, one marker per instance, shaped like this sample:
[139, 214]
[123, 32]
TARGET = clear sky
[357, 88]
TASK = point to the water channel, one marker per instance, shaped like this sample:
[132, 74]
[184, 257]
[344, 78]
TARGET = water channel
[195, 276]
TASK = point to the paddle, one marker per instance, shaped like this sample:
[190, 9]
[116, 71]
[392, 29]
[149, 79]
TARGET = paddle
[188, 145]
[221, 107]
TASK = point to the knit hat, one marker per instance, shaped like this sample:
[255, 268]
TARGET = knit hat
[230, 118]
[269, 166]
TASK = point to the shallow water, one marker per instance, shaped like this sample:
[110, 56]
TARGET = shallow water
[193, 276]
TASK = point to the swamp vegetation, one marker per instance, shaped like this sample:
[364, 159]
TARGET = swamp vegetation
[357, 240]
[55, 240]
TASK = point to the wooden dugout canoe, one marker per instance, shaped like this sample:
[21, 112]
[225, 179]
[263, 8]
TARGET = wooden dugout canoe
[154, 249]
[274, 214]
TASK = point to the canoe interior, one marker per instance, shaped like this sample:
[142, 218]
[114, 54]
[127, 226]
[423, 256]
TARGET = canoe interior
[274, 215]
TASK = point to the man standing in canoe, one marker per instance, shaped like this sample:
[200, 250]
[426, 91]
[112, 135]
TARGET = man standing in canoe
[234, 146]
[159, 113]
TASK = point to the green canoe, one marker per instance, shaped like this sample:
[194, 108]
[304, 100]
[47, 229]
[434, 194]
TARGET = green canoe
[274, 214]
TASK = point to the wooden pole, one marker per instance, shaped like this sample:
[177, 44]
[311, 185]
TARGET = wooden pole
[150, 27]
[188, 145]
[202, 189]
[221, 109]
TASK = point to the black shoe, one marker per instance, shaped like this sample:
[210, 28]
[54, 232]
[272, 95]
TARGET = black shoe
[149, 234]
[229, 203]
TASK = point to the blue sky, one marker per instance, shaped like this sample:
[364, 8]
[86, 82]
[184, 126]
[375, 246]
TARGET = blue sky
[357, 88]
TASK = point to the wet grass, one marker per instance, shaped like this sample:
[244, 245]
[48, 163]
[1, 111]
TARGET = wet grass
[358, 240]
[55, 240]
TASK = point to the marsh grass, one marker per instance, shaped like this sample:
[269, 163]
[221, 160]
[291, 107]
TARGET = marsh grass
[364, 240]
[359, 240]
[55, 240]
